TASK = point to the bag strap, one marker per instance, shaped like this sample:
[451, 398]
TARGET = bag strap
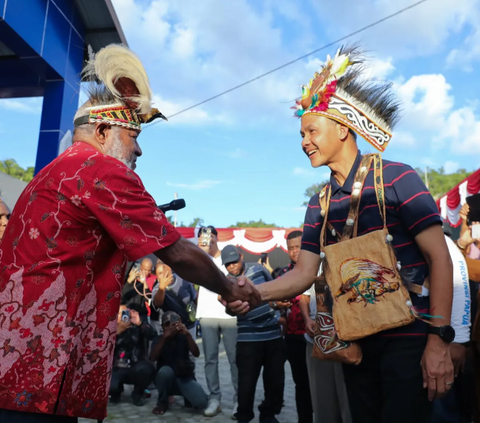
[324, 201]
[379, 188]
[351, 225]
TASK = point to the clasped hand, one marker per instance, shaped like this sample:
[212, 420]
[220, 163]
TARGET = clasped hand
[242, 297]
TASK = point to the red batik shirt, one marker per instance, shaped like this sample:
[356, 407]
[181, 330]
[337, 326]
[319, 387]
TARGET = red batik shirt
[62, 267]
[295, 323]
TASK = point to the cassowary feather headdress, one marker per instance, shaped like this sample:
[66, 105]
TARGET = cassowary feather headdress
[119, 90]
[340, 92]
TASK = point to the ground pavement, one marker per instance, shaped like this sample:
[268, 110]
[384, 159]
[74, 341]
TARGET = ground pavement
[126, 412]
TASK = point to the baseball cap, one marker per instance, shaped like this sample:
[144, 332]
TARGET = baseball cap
[170, 316]
[230, 254]
[203, 229]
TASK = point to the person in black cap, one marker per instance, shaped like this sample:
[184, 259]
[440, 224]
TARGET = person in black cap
[259, 344]
[175, 369]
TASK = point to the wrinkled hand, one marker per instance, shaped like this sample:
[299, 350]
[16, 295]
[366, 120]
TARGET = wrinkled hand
[464, 212]
[135, 318]
[310, 327]
[242, 297]
[122, 326]
[457, 352]
[437, 367]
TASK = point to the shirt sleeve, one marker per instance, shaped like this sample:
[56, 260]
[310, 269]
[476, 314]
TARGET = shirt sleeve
[312, 227]
[127, 212]
[416, 207]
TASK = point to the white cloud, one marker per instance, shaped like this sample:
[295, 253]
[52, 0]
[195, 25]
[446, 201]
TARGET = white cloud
[24, 105]
[425, 100]
[380, 69]
[405, 139]
[450, 167]
[196, 186]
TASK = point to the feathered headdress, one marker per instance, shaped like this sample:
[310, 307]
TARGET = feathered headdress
[119, 93]
[339, 92]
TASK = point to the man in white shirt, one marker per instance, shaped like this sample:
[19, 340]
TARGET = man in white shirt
[214, 321]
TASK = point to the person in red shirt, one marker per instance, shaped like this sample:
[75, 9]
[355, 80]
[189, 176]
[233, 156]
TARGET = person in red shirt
[64, 254]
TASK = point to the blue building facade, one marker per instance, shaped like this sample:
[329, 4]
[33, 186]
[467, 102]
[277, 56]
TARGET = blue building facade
[43, 46]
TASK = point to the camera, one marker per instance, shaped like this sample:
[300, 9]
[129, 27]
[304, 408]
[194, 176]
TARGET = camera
[125, 315]
[263, 258]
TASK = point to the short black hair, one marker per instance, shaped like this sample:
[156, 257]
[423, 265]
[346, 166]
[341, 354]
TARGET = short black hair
[205, 228]
[294, 234]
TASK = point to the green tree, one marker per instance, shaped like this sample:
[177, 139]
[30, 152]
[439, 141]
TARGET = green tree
[254, 224]
[440, 183]
[312, 190]
[196, 222]
[12, 168]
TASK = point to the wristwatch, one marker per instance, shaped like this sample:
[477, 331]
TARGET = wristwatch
[447, 333]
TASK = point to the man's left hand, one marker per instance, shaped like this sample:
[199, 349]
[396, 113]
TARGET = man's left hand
[181, 328]
[437, 367]
[242, 297]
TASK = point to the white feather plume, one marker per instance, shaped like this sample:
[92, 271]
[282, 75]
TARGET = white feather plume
[117, 61]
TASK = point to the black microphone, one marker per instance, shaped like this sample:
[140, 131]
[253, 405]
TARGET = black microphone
[173, 205]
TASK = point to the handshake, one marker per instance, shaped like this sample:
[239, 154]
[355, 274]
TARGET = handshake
[241, 297]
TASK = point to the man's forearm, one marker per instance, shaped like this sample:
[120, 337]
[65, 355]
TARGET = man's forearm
[192, 345]
[441, 290]
[289, 285]
[157, 349]
[192, 264]
[159, 297]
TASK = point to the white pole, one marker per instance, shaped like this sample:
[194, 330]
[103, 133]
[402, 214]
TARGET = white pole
[175, 214]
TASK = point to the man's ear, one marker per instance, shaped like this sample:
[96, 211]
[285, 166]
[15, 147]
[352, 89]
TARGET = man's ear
[101, 132]
[342, 131]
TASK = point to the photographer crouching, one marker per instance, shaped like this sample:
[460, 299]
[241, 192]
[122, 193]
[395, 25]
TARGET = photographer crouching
[130, 359]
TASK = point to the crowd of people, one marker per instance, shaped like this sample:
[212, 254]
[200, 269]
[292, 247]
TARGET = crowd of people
[373, 313]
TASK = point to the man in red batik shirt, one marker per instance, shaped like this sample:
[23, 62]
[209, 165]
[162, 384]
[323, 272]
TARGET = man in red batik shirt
[63, 260]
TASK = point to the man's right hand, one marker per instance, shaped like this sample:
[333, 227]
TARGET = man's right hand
[243, 296]
[132, 275]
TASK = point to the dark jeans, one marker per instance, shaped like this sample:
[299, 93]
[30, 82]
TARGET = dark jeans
[10, 416]
[387, 386]
[167, 384]
[140, 375]
[251, 357]
[296, 347]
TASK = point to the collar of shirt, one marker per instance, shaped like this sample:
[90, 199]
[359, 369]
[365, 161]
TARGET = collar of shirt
[347, 186]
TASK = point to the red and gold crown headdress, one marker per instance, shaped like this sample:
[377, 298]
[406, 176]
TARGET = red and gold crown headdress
[120, 92]
[339, 92]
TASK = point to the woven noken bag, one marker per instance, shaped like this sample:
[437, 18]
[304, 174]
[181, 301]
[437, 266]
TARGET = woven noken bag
[326, 345]
[361, 272]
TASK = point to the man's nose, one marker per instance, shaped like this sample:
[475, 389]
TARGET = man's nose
[138, 150]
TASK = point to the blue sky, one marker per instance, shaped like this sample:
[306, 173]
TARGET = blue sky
[238, 158]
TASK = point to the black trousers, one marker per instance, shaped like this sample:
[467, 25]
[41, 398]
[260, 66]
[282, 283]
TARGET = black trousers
[140, 375]
[296, 348]
[10, 416]
[387, 387]
[251, 357]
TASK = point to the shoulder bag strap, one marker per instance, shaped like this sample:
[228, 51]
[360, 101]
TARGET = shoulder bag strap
[351, 225]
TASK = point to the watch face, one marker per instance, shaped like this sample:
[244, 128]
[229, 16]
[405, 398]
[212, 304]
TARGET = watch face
[447, 333]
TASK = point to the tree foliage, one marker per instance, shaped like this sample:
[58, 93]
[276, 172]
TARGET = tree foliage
[254, 224]
[312, 190]
[12, 168]
[440, 183]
